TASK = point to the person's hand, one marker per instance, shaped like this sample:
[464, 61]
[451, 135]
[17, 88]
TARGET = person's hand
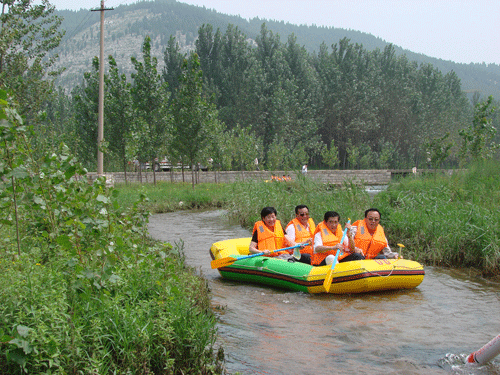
[266, 252]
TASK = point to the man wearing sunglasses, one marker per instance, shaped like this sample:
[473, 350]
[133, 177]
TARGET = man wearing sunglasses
[368, 236]
[301, 230]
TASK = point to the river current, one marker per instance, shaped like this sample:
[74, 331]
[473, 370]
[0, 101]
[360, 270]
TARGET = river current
[427, 330]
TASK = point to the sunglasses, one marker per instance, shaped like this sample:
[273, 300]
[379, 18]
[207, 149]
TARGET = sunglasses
[304, 214]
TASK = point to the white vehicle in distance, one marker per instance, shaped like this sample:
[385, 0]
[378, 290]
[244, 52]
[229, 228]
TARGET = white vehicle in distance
[166, 165]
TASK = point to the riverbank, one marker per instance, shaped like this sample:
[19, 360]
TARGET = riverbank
[423, 212]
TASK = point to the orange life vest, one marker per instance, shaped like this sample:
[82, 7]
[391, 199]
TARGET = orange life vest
[269, 240]
[329, 239]
[302, 234]
[371, 244]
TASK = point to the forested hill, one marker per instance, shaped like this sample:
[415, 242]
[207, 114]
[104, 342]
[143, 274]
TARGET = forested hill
[127, 25]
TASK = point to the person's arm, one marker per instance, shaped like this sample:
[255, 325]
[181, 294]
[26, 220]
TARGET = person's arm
[389, 253]
[352, 244]
[253, 248]
[320, 248]
[349, 240]
[290, 235]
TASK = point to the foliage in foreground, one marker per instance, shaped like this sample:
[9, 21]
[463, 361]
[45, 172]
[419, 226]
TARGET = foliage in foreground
[146, 313]
[83, 290]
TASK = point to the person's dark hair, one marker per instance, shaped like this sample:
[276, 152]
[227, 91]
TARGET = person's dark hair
[374, 210]
[329, 214]
[268, 210]
[300, 207]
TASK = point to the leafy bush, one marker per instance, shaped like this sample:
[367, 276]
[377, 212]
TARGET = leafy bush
[83, 288]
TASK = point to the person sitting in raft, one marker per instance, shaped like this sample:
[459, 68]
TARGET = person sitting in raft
[368, 236]
[301, 230]
[268, 235]
[326, 242]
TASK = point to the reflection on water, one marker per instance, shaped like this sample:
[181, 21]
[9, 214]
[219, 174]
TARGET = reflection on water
[427, 330]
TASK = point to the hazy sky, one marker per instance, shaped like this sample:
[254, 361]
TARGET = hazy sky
[458, 30]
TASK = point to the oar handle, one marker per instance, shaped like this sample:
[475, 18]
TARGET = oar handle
[329, 275]
[341, 242]
[274, 251]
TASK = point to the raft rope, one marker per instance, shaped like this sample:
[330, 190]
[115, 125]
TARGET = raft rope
[337, 274]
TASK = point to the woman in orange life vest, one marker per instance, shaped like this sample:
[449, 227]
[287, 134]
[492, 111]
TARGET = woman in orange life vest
[368, 236]
[301, 230]
[268, 235]
[327, 242]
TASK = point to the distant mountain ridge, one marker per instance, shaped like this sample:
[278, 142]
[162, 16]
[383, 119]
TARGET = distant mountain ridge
[127, 25]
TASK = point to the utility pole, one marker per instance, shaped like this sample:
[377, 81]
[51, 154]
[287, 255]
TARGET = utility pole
[100, 124]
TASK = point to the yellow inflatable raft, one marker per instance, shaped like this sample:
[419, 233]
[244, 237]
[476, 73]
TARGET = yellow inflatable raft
[349, 277]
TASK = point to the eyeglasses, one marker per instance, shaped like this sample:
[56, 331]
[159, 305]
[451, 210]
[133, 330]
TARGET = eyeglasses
[373, 219]
[304, 214]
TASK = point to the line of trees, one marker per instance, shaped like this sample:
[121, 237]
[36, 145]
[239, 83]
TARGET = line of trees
[345, 107]
[233, 100]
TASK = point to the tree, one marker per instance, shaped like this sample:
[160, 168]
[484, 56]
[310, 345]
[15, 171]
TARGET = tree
[173, 59]
[150, 98]
[438, 150]
[28, 32]
[349, 97]
[276, 155]
[85, 104]
[58, 123]
[245, 148]
[208, 49]
[118, 113]
[194, 119]
[331, 155]
[235, 59]
[477, 140]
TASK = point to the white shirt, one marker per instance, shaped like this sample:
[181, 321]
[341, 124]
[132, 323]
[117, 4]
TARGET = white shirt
[318, 241]
[290, 230]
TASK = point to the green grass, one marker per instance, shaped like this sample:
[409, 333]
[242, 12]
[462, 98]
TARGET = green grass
[244, 200]
[448, 220]
[169, 197]
[442, 220]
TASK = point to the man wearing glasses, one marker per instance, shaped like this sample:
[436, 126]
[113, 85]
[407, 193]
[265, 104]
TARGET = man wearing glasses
[301, 230]
[368, 236]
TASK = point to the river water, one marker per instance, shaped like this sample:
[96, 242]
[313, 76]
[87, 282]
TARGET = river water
[427, 330]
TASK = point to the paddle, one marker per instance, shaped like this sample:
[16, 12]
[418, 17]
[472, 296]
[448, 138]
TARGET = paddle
[296, 251]
[400, 246]
[329, 274]
[217, 263]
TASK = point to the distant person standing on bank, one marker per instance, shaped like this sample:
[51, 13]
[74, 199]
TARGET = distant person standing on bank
[256, 162]
[304, 169]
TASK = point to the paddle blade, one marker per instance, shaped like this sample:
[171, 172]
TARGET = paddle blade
[328, 280]
[329, 274]
[223, 262]
[296, 253]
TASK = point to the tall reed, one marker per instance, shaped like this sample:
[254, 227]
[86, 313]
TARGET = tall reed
[448, 220]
